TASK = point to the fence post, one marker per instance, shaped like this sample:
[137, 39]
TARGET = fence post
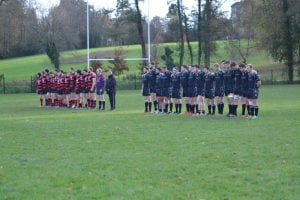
[135, 81]
[3, 84]
[31, 84]
[272, 81]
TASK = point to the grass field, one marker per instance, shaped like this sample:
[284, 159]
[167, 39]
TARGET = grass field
[24, 67]
[126, 154]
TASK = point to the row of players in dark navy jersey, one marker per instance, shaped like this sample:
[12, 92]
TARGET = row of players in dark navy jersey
[166, 88]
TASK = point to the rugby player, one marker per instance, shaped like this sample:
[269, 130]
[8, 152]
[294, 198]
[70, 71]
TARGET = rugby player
[91, 88]
[100, 89]
[160, 90]
[73, 97]
[176, 96]
[254, 84]
[192, 90]
[167, 90]
[200, 82]
[146, 89]
[184, 76]
[244, 90]
[219, 88]
[152, 84]
[209, 91]
[39, 88]
[229, 77]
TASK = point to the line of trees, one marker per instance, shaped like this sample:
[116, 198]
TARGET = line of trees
[270, 24]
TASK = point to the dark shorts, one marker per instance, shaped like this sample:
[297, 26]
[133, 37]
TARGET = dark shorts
[228, 90]
[244, 92]
[44, 91]
[82, 90]
[253, 93]
[238, 91]
[185, 92]
[40, 92]
[192, 92]
[176, 93]
[166, 92]
[200, 91]
[159, 92]
[146, 92]
[219, 92]
[209, 94]
[61, 92]
[152, 89]
[100, 91]
[67, 91]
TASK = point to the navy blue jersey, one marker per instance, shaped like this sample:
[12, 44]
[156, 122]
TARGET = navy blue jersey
[244, 80]
[219, 79]
[152, 77]
[192, 79]
[184, 77]
[200, 79]
[146, 80]
[209, 81]
[176, 80]
[253, 78]
[238, 78]
[229, 77]
[168, 75]
[160, 81]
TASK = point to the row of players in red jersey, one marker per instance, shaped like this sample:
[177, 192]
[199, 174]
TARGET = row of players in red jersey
[60, 89]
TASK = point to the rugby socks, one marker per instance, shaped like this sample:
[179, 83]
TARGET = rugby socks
[229, 109]
[243, 109]
[252, 111]
[166, 108]
[100, 104]
[256, 110]
[149, 105]
[146, 106]
[155, 105]
[220, 108]
[209, 109]
[197, 109]
[171, 107]
[103, 105]
[179, 106]
[89, 103]
[213, 109]
[234, 111]
[248, 109]
[176, 107]
[188, 106]
[41, 101]
[93, 104]
[193, 108]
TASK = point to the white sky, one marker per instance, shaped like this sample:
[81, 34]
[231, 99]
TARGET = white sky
[157, 7]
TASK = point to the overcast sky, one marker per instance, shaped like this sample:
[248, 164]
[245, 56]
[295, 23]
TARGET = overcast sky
[157, 7]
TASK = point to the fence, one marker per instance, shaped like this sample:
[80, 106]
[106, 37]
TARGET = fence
[134, 81]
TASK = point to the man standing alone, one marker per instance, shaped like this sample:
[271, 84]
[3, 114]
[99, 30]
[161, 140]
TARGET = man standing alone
[111, 89]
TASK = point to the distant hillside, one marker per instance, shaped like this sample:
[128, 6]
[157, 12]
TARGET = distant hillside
[23, 67]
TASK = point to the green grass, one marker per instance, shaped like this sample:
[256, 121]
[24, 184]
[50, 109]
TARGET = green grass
[79, 154]
[24, 67]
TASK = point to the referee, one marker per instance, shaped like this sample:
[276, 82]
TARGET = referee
[111, 90]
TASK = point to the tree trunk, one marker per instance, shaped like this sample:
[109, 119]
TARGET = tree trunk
[199, 35]
[140, 30]
[207, 34]
[181, 53]
[188, 39]
[288, 41]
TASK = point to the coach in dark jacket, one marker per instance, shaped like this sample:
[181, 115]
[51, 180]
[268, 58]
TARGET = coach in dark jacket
[111, 89]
